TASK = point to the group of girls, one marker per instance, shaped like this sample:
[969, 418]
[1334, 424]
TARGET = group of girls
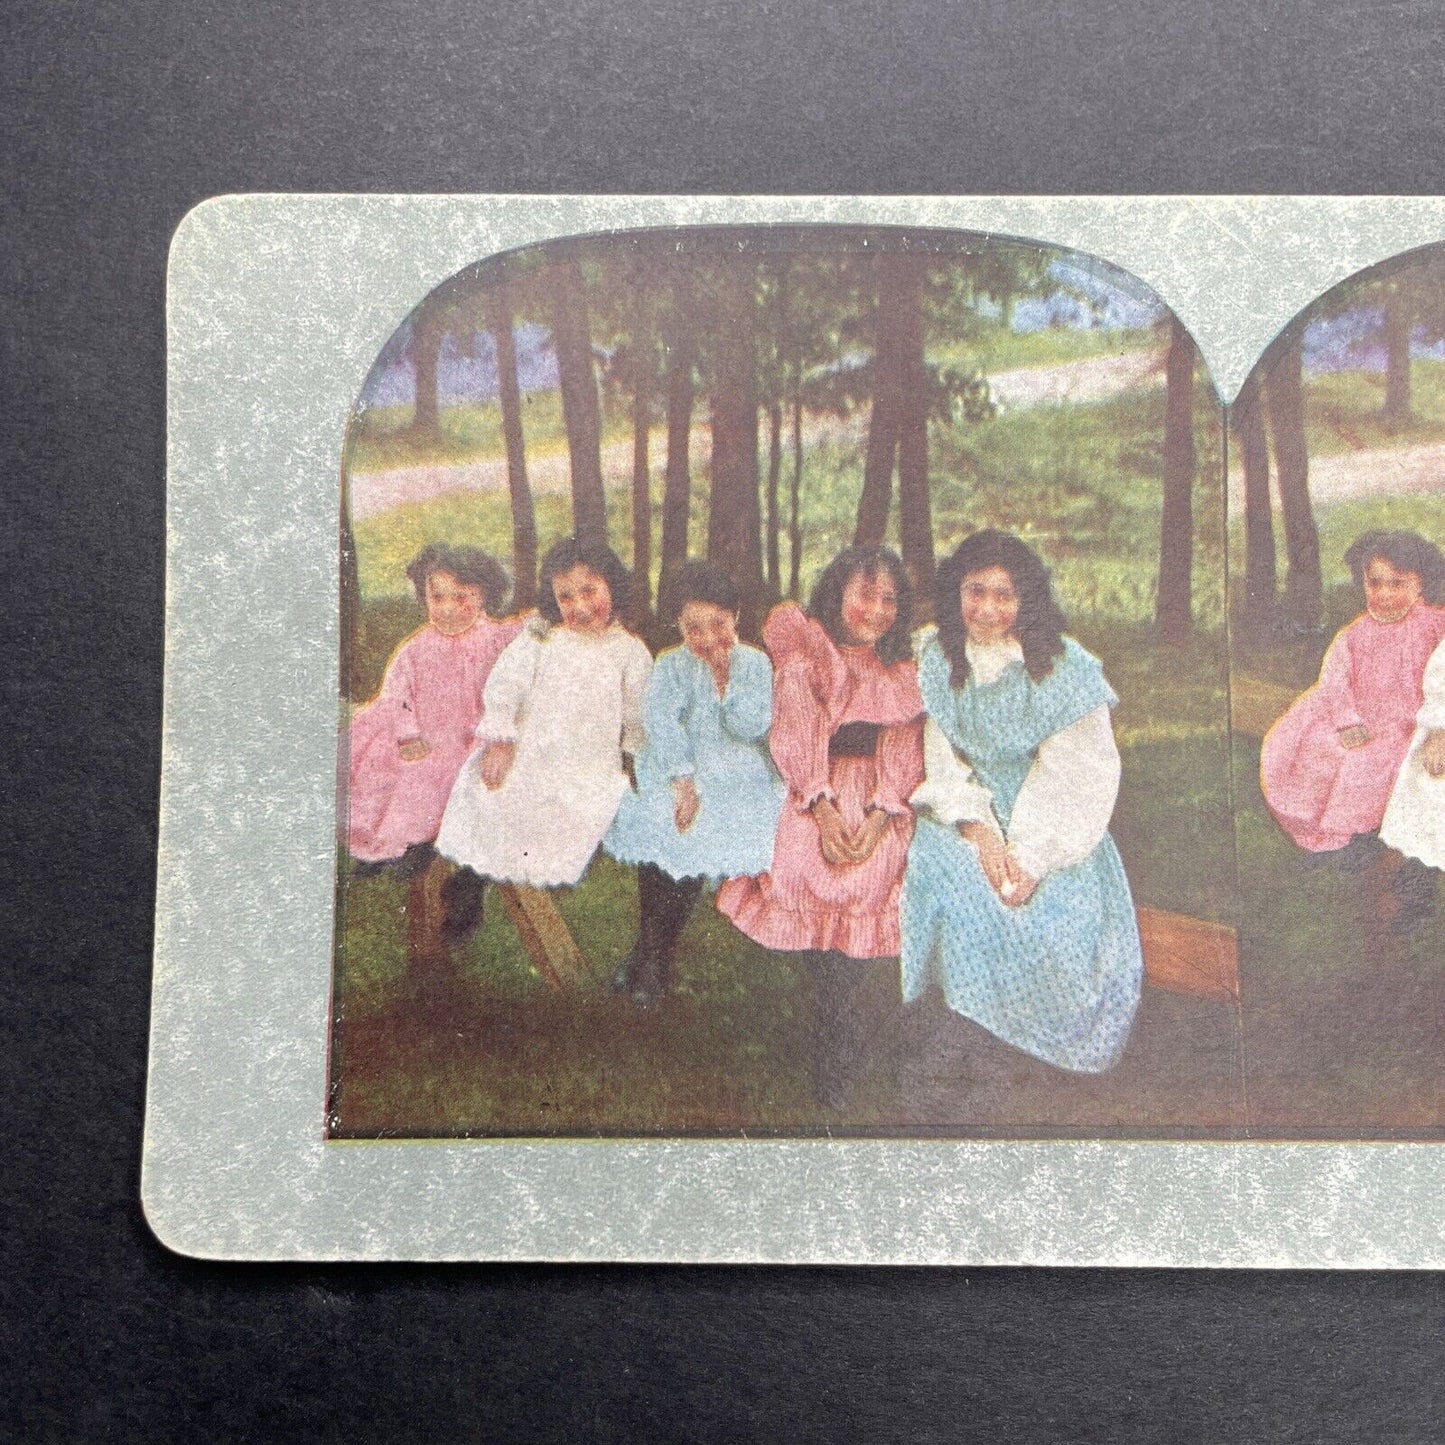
[1356, 766]
[920, 821]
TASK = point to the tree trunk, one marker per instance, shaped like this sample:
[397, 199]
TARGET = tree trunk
[681, 348]
[524, 515]
[1176, 529]
[883, 420]
[915, 520]
[734, 523]
[572, 338]
[641, 466]
[1284, 392]
[1260, 581]
[1398, 325]
[350, 598]
[775, 472]
[795, 521]
[426, 344]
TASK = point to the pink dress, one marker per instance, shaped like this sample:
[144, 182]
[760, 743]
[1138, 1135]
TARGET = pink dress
[432, 691]
[806, 902]
[1321, 792]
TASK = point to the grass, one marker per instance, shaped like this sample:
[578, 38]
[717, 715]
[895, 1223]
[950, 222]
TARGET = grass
[492, 1050]
[1343, 410]
[997, 349]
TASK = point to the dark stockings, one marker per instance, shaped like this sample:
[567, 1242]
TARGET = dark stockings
[463, 896]
[664, 904]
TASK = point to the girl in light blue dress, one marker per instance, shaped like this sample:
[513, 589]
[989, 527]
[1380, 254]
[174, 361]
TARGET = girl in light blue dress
[708, 796]
[1015, 903]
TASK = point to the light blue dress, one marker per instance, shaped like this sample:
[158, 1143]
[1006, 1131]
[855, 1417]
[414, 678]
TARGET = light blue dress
[721, 744]
[1060, 976]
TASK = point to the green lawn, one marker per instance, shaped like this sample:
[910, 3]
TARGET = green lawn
[1342, 410]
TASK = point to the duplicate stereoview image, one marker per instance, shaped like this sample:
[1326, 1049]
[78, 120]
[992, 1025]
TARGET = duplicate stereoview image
[787, 692]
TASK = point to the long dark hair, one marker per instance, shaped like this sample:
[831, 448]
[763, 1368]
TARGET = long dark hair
[579, 551]
[1405, 552]
[1040, 626]
[826, 603]
[469, 565]
[701, 582]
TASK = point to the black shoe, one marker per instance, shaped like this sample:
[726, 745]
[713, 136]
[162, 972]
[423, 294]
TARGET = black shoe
[414, 862]
[621, 980]
[1359, 853]
[463, 897]
[1414, 885]
[368, 868]
[648, 985]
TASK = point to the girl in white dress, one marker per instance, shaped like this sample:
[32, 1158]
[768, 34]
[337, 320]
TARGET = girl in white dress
[563, 704]
[1415, 815]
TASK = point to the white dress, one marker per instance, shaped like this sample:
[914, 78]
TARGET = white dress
[1415, 815]
[572, 704]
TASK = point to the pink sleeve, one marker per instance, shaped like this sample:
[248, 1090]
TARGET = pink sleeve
[799, 738]
[398, 693]
[1336, 689]
[900, 767]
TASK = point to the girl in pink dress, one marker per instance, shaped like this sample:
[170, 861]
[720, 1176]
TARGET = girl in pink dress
[847, 737]
[1328, 765]
[409, 743]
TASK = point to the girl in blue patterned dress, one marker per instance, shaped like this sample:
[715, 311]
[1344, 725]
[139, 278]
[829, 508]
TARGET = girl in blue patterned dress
[1015, 901]
[708, 795]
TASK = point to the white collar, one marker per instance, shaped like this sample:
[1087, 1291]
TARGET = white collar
[987, 660]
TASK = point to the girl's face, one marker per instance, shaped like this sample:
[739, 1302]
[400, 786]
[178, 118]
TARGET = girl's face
[584, 599]
[452, 607]
[870, 608]
[990, 605]
[710, 631]
[1390, 593]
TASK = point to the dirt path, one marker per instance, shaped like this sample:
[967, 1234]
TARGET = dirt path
[1383, 471]
[1093, 379]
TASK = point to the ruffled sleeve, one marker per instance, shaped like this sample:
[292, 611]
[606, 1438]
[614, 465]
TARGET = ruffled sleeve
[950, 792]
[664, 711]
[747, 705]
[636, 671]
[900, 767]
[791, 635]
[1063, 808]
[508, 686]
[799, 737]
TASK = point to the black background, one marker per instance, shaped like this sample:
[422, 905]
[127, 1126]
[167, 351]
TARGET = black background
[118, 118]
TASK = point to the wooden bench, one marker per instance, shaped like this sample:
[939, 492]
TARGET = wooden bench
[544, 932]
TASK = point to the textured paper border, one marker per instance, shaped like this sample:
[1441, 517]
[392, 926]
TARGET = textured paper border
[276, 308]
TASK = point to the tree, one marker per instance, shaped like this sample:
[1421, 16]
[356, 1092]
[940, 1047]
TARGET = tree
[915, 520]
[1399, 322]
[734, 522]
[580, 408]
[1284, 394]
[641, 378]
[428, 329]
[681, 360]
[524, 516]
[1260, 581]
[1176, 531]
[883, 418]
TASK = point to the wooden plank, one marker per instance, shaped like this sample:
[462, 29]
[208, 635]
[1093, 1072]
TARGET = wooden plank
[1190, 955]
[546, 937]
[424, 916]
